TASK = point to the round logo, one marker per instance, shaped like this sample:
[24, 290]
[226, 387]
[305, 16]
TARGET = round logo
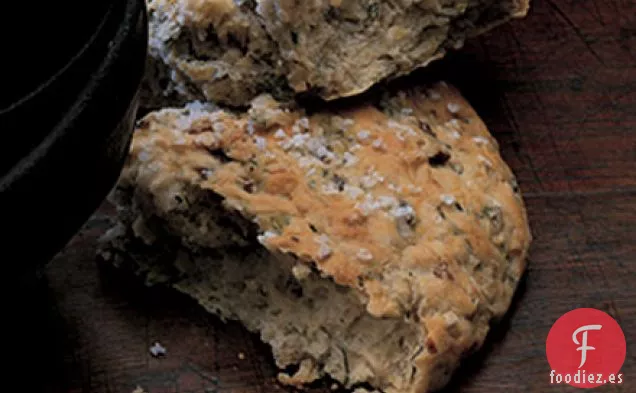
[585, 348]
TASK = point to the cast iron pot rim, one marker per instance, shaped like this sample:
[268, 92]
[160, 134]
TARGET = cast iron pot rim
[132, 11]
[30, 96]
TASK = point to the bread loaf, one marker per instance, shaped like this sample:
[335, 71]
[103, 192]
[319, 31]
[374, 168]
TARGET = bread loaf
[372, 244]
[228, 52]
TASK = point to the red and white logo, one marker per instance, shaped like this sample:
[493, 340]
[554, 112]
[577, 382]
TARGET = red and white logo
[586, 348]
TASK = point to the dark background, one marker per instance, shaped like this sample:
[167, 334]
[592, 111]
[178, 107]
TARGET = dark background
[558, 91]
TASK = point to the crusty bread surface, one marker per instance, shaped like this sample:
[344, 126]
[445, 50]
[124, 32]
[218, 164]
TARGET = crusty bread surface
[229, 52]
[391, 234]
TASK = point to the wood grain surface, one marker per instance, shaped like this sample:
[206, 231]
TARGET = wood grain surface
[557, 89]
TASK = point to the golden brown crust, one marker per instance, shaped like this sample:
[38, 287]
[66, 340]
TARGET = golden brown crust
[409, 202]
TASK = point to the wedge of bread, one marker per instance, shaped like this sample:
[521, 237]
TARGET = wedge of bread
[230, 51]
[391, 234]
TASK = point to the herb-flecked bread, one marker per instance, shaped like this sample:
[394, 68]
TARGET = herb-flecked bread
[393, 233]
[230, 51]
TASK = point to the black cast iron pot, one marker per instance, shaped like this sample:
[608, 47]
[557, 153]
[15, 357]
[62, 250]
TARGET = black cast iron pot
[66, 118]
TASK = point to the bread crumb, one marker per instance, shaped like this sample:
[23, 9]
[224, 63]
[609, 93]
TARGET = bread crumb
[435, 96]
[301, 271]
[241, 356]
[158, 350]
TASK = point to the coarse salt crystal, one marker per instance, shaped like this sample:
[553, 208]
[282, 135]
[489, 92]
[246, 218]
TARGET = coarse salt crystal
[324, 251]
[143, 156]
[280, 134]
[348, 122]
[450, 318]
[303, 122]
[353, 192]
[393, 124]
[378, 144]
[198, 106]
[304, 162]
[265, 236]
[434, 95]
[329, 189]
[206, 173]
[407, 111]
[453, 107]
[364, 254]
[260, 142]
[299, 140]
[480, 140]
[455, 134]
[323, 153]
[368, 181]
[367, 206]
[250, 127]
[205, 139]
[484, 160]
[218, 127]
[324, 239]
[363, 135]
[386, 201]
[454, 123]
[447, 199]
[403, 211]
[349, 159]
[364, 208]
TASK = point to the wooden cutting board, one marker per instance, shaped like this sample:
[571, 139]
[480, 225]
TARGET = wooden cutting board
[558, 91]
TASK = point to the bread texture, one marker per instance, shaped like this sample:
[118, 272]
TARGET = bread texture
[230, 51]
[391, 234]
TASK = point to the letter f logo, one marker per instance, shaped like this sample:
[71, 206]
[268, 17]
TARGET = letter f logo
[584, 347]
